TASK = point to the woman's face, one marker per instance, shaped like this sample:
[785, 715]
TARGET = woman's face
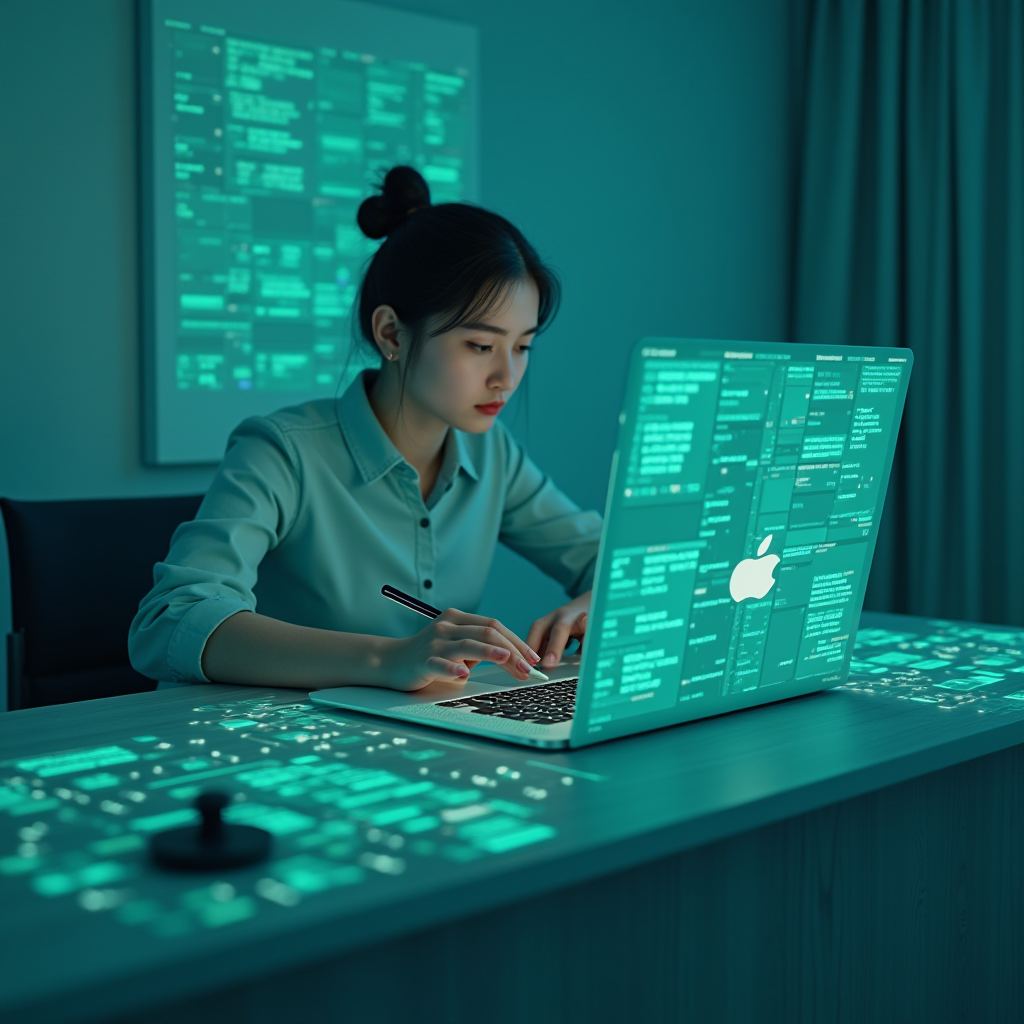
[466, 375]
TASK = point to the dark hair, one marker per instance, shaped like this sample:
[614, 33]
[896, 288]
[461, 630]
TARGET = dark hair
[453, 261]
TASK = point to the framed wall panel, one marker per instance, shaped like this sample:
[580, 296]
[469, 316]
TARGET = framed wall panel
[264, 125]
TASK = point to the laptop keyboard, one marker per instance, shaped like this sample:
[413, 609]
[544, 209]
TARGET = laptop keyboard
[545, 704]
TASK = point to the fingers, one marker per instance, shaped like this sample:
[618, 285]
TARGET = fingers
[539, 631]
[449, 671]
[510, 661]
[561, 633]
[504, 636]
[465, 649]
[433, 669]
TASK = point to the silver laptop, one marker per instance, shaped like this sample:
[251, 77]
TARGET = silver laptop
[743, 507]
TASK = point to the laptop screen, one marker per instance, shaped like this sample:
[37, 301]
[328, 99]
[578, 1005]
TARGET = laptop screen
[742, 514]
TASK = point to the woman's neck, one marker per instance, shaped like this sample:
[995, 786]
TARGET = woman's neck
[418, 435]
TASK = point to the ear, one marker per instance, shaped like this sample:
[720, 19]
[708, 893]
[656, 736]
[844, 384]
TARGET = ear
[388, 332]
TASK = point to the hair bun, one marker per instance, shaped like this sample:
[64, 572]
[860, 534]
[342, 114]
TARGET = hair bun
[402, 192]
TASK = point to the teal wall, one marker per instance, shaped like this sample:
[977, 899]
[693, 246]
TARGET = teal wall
[640, 145]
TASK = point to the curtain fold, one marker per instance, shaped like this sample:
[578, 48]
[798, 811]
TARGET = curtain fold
[909, 231]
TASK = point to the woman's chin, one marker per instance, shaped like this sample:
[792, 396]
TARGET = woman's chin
[475, 423]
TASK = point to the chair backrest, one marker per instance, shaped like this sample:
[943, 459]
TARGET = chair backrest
[78, 572]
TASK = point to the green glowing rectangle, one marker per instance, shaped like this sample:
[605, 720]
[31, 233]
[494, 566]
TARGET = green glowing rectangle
[57, 884]
[103, 780]
[454, 797]
[310, 874]
[424, 824]
[168, 819]
[18, 865]
[413, 788]
[930, 664]
[376, 796]
[92, 875]
[281, 821]
[488, 827]
[9, 797]
[515, 840]
[395, 814]
[32, 807]
[76, 761]
[202, 302]
[508, 807]
[185, 792]
[374, 782]
[117, 845]
[211, 774]
[216, 915]
[103, 873]
[963, 684]
[895, 658]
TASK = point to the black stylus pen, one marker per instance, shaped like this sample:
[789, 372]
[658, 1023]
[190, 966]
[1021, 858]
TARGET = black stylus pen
[431, 613]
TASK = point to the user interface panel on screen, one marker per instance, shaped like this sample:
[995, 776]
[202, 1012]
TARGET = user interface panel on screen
[268, 126]
[748, 485]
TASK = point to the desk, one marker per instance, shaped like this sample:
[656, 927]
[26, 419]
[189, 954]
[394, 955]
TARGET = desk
[850, 855]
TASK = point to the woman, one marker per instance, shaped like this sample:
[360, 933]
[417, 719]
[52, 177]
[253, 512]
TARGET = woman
[407, 479]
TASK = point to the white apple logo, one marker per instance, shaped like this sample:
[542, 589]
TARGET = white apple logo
[753, 576]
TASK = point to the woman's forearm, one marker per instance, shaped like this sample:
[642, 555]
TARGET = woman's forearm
[261, 651]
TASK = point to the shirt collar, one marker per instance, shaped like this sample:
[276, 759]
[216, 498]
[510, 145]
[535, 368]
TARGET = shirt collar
[373, 451]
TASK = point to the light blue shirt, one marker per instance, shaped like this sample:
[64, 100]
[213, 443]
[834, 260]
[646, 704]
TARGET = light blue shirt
[313, 509]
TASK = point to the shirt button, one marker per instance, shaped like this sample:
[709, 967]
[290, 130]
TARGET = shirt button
[427, 584]
[424, 521]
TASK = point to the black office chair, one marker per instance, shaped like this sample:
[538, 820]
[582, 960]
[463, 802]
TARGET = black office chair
[78, 572]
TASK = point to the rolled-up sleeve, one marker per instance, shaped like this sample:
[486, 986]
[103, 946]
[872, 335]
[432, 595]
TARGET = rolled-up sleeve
[211, 567]
[545, 526]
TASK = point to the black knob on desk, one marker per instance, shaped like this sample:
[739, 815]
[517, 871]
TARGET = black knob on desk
[210, 806]
[214, 844]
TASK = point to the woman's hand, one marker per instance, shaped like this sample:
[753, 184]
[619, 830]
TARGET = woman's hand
[550, 634]
[449, 647]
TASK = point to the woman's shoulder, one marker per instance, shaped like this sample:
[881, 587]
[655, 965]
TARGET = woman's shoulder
[293, 421]
[294, 429]
[320, 414]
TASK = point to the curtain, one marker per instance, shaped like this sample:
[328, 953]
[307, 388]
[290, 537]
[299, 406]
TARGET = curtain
[909, 231]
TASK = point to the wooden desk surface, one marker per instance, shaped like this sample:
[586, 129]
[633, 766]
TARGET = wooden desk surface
[90, 929]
